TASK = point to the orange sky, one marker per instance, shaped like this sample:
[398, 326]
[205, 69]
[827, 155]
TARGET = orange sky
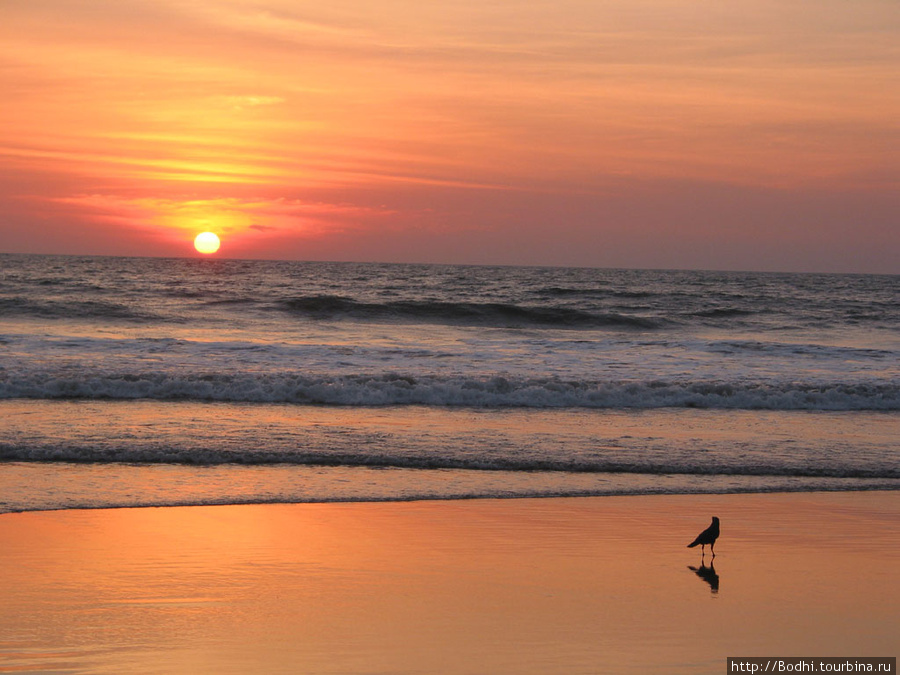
[629, 133]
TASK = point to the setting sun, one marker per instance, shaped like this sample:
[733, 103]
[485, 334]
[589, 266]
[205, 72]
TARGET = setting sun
[206, 242]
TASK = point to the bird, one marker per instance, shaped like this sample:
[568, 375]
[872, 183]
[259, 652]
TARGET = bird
[708, 536]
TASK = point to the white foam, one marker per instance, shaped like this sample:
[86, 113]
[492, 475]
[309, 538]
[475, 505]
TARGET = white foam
[435, 390]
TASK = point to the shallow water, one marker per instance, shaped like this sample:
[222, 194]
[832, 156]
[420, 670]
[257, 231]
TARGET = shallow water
[521, 586]
[86, 454]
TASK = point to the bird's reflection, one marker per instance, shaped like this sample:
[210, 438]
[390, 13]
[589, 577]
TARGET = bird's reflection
[708, 574]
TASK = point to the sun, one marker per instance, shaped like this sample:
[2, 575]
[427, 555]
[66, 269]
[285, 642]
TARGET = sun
[206, 242]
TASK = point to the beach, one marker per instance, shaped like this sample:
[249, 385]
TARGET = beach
[574, 585]
[224, 466]
[400, 338]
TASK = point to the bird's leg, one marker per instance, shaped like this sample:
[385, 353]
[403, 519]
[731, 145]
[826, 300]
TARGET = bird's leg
[712, 547]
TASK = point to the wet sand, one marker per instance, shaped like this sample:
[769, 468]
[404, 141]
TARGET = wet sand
[575, 585]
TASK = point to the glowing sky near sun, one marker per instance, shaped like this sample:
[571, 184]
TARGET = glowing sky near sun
[655, 133]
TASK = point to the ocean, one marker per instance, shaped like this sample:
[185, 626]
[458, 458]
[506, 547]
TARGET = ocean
[147, 382]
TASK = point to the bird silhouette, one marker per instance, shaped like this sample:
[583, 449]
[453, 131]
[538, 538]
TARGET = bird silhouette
[708, 536]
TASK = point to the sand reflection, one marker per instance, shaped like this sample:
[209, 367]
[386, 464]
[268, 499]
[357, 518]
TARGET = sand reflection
[501, 586]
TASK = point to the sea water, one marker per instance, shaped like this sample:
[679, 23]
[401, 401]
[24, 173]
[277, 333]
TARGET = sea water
[140, 381]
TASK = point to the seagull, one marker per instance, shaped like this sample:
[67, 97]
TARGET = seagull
[708, 536]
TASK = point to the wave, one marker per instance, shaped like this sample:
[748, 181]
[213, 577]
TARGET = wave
[490, 314]
[792, 349]
[485, 460]
[330, 494]
[601, 292]
[71, 309]
[400, 389]
[724, 312]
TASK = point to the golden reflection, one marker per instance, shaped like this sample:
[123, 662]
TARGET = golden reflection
[577, 585]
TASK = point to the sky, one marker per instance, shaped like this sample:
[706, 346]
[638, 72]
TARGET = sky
[747, 134]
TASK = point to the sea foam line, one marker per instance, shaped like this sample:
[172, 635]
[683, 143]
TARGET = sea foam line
[481, 461]
[80, 500]
[496, 391]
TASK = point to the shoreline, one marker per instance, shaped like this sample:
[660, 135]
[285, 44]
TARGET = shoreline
[503, 585]
[457, 498]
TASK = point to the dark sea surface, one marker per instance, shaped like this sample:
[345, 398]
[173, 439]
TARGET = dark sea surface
[138, 381]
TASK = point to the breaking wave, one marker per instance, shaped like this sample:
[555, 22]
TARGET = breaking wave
[468, 391]
[143, 453]
[69, 309]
